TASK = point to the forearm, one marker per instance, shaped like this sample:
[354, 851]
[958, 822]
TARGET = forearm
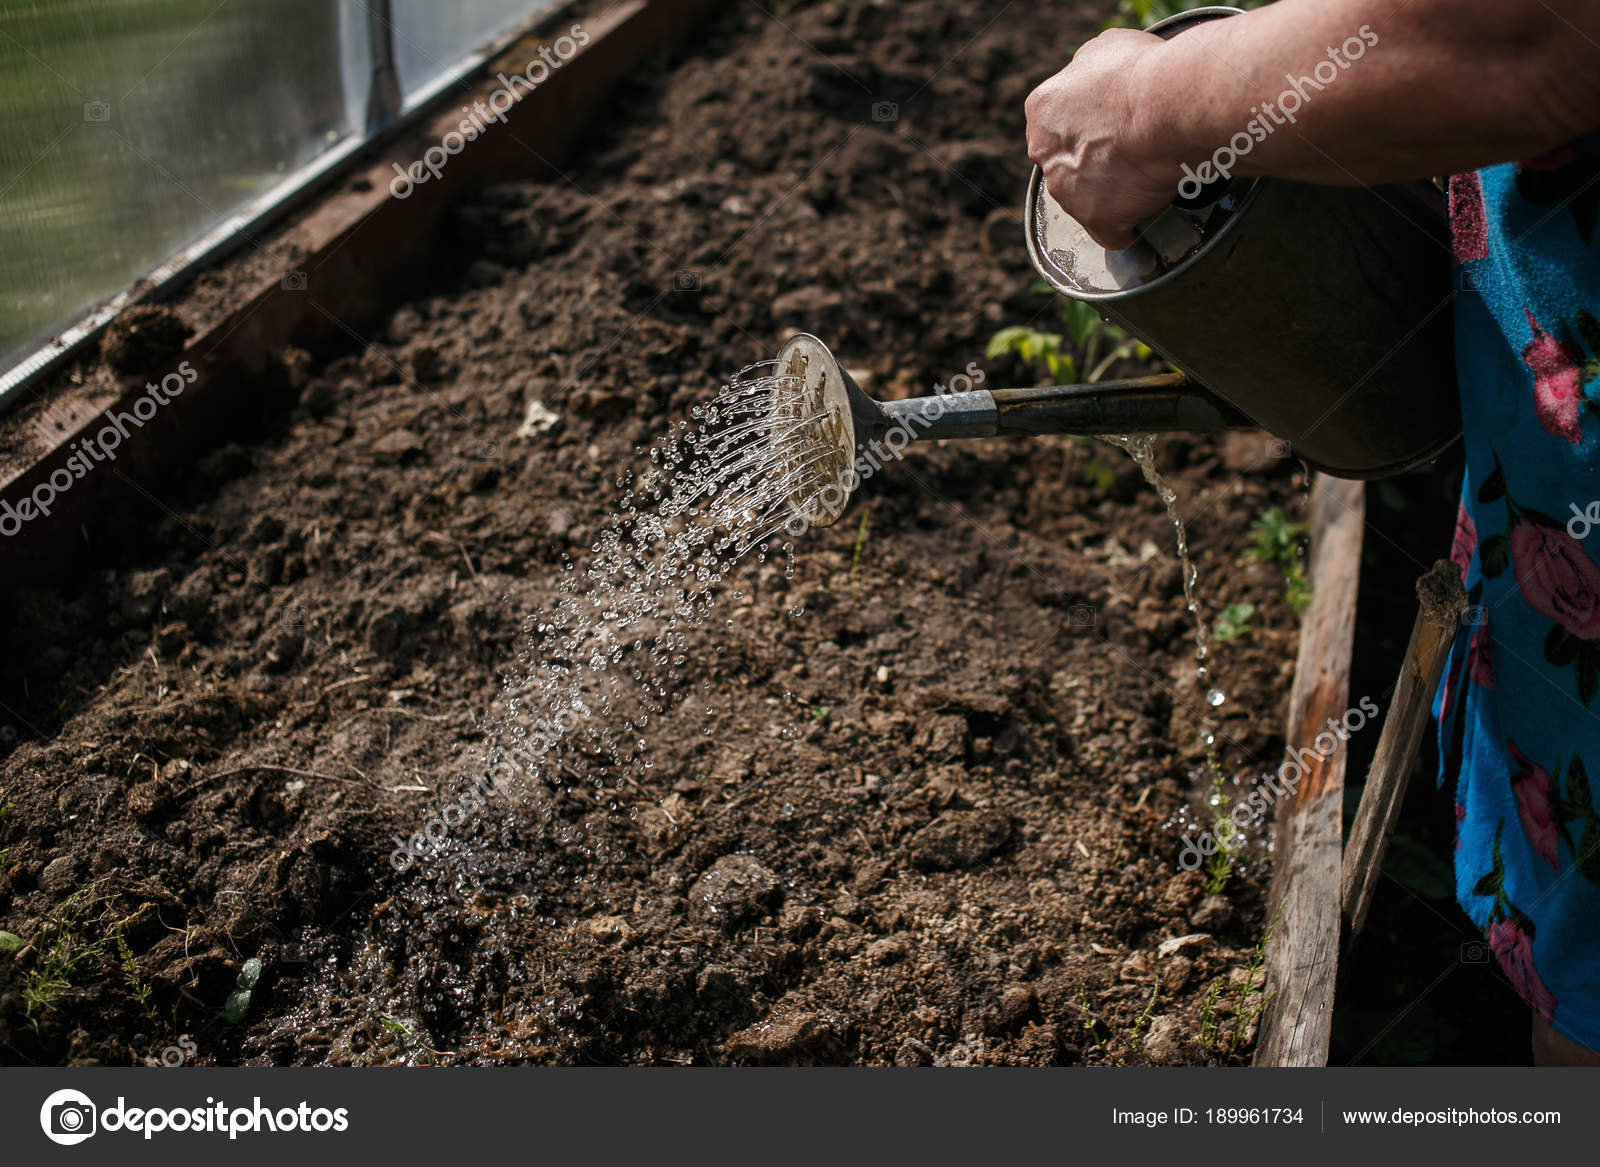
[1438, 86]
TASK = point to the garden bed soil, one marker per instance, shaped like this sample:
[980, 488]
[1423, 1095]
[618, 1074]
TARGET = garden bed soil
[932, 811]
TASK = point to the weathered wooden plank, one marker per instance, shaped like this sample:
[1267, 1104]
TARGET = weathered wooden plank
[1302, 959]
[1442, 604]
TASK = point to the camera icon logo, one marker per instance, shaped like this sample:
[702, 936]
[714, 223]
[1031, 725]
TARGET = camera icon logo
[68, 1117]
[294, 281]
[486, 451]
[686, 281]
[885, 111]
[1475, 952]
[97, 111]
[1277, 449]
[1081, 616]
[1465, 281]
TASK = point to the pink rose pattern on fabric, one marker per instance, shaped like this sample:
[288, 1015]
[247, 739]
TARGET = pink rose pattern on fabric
[1532, 786]
[1514, 951]
[1465, 542]
[1557, 381]
[1556, 578]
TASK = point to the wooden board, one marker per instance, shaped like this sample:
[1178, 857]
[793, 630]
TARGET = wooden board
[1303, 957]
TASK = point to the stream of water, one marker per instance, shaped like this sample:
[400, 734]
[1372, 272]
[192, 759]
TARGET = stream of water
[1141, 448]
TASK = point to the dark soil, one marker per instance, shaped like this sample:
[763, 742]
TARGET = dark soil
[929, 811]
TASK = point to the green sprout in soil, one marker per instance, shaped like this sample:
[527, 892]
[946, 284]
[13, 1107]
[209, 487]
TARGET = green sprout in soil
[1233, 622]
[408, 1037]
[1095, 1028]
[1144, 1018]
[1276, 540]
[238, 1002]
[60, 952]
[1245, 1002]
[137, 989]
[861, 546]
[1088, 343]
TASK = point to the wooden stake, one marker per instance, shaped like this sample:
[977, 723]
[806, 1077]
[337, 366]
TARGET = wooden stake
[1443, 604]
[1302, 958]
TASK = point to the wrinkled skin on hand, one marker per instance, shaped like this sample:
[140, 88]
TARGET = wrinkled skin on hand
[1086, 132]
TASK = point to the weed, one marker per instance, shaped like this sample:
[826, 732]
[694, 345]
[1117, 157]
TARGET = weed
[137, 989]
[861, 546]
[1246, 1002]
[1209, 1025]
[60, 952]
[1252, 994]
[1144, 1018]
[1091, 1025]
[1276, 540]
[1233, 622]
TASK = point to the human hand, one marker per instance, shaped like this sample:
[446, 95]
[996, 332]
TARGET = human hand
[1087, 132]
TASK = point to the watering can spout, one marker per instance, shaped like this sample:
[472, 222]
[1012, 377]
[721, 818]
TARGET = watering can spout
[831, 426]
[1165, 403]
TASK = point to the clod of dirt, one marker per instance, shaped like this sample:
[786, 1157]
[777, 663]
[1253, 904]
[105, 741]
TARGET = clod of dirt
[1161, 1042]
[59, 875]
[783, 1037]
[144, 340]
[395, 447]
[960, 839]
[913, 1053]
[733, 889]
[1213, 912]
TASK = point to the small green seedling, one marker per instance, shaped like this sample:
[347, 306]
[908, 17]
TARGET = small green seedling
[860, 547]
[137, 989]
[1144, 1018]
[1032, 346]
[1276, 540]
[1233, 622]
[10, 942]
[238, 1003]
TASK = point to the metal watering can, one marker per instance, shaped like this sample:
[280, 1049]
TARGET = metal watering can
[1320, 314]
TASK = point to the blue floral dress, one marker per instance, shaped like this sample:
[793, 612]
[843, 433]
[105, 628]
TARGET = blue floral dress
[1519, 724]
